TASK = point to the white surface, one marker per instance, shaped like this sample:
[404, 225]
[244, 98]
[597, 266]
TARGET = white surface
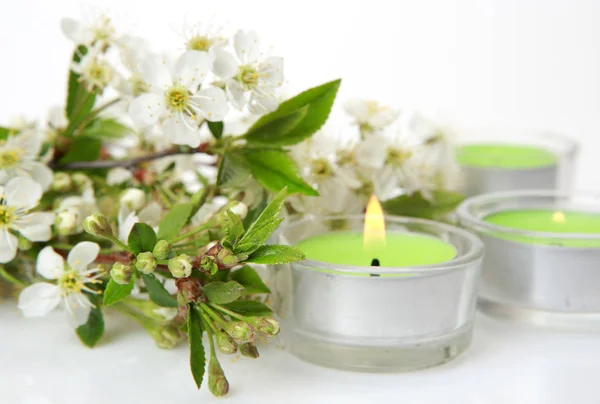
[524, 64]
[42, 362]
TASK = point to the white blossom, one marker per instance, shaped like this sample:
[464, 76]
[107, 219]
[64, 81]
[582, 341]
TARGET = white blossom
[249, 78]
[118, 176]
[175, 99]
[81, 206]
[202, 37]
[134, 199]
[96, 30]
[127, 218]
[18, 197]
[19, 156]
[369, 114]
[94, 70]
[72, 279]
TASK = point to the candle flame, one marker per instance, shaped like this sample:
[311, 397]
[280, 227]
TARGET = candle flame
[558, 217]
[374, 236]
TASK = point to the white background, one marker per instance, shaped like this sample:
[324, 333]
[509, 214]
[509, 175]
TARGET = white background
[512, 64]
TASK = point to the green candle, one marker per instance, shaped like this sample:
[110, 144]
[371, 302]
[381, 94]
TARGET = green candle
[400, 250]
[512, 156]
[548, 221]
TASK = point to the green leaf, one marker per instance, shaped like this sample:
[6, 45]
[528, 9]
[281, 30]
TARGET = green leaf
[197, 356]
[216, 128]
[249, 308]
[416, 205]
[275, 169]
[106, 128]
[317, 100]
[232, 171]
[255, 212]
[250, 280]
[274, 133]
[174, 220]
[115, 293]
[260, 230]
[197, 200]
[4, 132]
[79, 101]
[91, 332]
[223, 292]
[157, 292]
[141, 238]
[232, 227]
[83, 149]
[276, 254]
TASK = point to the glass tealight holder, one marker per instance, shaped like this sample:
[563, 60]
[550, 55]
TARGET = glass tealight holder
[500, 162]
[544, 278]
[378, 319]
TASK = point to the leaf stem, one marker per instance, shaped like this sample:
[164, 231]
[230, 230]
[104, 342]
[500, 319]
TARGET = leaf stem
[214, 315]
[95, 113]
[229, 312]
[9, 278]
[202, 227]
[118, 242]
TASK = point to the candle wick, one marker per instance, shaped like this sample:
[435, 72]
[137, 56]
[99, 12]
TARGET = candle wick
[375, 262]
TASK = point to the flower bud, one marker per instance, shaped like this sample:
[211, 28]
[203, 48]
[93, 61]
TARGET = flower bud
[239, 208]
[98, 225]
[23, 244]
[134, 199]
[61, 182]
[217, 383]
[81, 181]
[66, 222]
[161, 250]
[209, 264]
[227, 258]
[166, 337]
[267, 327]
[249, 349]
[180, 266]
[121, 273]
[240, 331]
[146, 263]
[226, 344]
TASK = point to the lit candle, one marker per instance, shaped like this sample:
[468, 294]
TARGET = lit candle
[492, 167]
[391, 249]
[415, 310]
[542, 251]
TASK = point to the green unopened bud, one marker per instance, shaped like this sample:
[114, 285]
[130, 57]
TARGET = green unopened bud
[65, 222]
[209, 264]
[146, 263]
[81, 181]
[226, 344]
[161, 250]
[267, 327]
[227, 258]
[61, 182]
[23, 244]
[237, 208]
[217, 383]
[121, 273]
[98, 225]
[250, 350]
[240, 331]
[180, 266]
[166, 337]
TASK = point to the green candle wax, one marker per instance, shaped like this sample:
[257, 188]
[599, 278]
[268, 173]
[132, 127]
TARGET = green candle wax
[400, 250]
[512, 156]
[548, 221]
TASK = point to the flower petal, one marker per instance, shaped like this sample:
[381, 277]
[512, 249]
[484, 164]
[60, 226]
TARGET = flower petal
[146, 109]
[151, 213]
[236, 94]
[246, 46]
[358, 109]
[271, 71]
[39, 299]
[191, 69]
[118, 176]
[41, 174]
[155, 72]
[76, 32]
[78, 309]
[36, 226]
[181, 131]
[49, 263]
[82, 255]
[211, 104]
[263, 102]
[224, 63]
[8, 246]
[22, 192]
